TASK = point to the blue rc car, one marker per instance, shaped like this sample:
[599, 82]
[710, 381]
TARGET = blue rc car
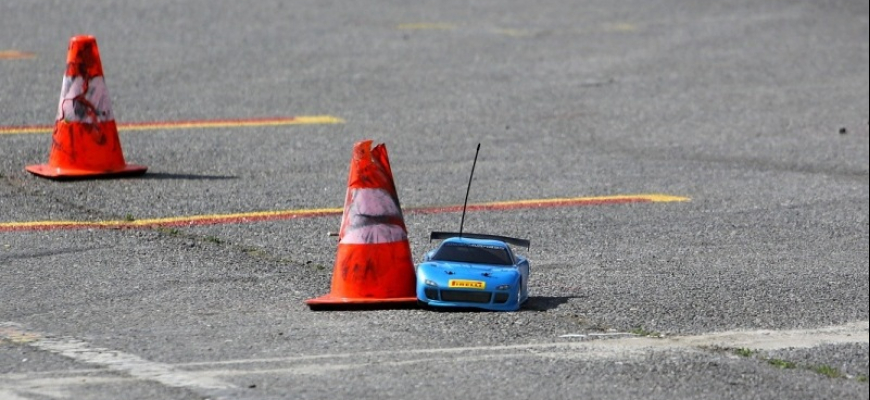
[469, 270]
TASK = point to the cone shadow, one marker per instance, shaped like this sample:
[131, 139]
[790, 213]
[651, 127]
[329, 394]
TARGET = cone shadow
[543, 303]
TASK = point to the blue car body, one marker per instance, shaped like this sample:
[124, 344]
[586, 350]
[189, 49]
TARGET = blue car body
[473, 271]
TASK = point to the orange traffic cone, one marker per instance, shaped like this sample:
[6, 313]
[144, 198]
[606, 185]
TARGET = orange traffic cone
[373, 264]
[85, 140]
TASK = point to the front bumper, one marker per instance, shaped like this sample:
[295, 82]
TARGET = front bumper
[454, 298]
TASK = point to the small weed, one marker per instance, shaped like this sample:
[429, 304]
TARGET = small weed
[577, 319]
[783, 364]
[828, 371]
[639, 331]
[213, 239]
[825, 370]
[744, 352]
[169, 231]
[129, 218]
[254, 252]
[599, 326]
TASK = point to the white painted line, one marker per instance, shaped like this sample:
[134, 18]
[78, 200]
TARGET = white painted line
[604, 347]
[202, 377]
[53, 388]
[8, 395]
[614, 334]
[856, 332]
[612, 346]
[133, 365]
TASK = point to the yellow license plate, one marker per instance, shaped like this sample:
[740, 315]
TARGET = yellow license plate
[466, 284]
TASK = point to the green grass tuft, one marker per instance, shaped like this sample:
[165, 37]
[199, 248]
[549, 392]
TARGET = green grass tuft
[213, 239]
[169, 231]
[640, 331]
[744, 352]
[828, 371]
[781, 363]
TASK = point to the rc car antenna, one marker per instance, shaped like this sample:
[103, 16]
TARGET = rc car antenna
[467, 190]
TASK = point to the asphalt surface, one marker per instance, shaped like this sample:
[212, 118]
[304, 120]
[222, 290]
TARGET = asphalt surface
[755, 111]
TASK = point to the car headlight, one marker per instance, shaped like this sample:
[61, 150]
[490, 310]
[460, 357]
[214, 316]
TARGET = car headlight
[502, 287]
[429, 282]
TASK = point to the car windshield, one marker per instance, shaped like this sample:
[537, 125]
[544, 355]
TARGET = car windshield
[475, 254]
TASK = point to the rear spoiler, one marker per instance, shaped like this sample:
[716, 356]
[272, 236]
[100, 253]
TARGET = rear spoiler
[446, 235]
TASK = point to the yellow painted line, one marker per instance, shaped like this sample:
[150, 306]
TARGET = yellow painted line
[17, 130]
[513, 32]
[302, 120]
[170, 221]
[212, 219]
[620, 27]
[653, 198]
[426, 26]
[16, 55]
[200, 124]
[16, 336]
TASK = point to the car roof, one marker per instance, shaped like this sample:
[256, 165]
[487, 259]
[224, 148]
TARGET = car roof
[438, 235]
[473, 241]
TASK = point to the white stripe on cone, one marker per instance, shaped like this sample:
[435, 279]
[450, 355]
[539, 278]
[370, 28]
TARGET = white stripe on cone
[365, 205]
[97, 95]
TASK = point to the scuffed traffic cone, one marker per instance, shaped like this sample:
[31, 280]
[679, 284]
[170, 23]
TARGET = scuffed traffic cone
[85, 140]
[373, 265]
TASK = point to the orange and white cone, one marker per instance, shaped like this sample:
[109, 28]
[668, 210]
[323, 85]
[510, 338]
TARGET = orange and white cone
[374, 263]
[85, 141]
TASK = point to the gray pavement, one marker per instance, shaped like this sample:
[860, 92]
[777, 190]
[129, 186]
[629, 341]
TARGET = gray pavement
[755, 111]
